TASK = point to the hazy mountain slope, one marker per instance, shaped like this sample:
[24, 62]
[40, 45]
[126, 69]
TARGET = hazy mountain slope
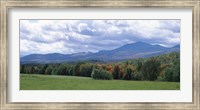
[128, 51]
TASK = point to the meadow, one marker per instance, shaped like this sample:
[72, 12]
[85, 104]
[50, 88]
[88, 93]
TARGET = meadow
[56, 82]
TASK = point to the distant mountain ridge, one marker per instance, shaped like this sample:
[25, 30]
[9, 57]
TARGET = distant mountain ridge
[125, 52]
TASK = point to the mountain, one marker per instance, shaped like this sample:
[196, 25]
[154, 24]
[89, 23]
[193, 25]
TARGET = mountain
[128, 51]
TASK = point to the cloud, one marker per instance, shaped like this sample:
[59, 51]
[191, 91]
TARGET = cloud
[31, 47]
[73, 36]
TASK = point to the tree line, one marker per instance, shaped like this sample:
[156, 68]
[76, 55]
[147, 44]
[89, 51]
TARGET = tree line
[164, 67]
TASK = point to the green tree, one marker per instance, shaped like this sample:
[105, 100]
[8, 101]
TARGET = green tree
[77, 69]
[172, 73]
[22, 69]
[48, 71]
[128, 73]
[54, 71]
[176, 71]
[150, 69]
[32, 70]
[138, 64]
[86, 70]
[137, 75]
[71, 70]
[43, 69]
[168, 74]
[26, 69]
[36, 70]
[116, 72]
[62, 70]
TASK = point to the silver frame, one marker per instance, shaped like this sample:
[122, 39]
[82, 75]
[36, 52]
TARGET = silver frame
[5, 5]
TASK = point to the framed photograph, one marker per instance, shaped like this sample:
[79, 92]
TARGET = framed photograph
[101, 54]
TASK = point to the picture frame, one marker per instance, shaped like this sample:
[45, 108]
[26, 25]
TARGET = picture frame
[4, 53]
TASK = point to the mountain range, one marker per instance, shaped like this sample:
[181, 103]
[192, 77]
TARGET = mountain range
[125, 52]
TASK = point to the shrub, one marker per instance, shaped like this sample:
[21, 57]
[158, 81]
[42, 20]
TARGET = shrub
[101, 74]
[160, 78]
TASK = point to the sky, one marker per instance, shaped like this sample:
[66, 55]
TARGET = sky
[74, 36]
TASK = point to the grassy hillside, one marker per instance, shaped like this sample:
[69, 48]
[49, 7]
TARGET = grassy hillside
[55, 82]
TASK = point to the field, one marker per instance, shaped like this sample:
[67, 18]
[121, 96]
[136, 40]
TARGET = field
[53, 82]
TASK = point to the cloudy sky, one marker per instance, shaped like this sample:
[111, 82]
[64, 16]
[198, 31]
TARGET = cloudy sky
[73, 36]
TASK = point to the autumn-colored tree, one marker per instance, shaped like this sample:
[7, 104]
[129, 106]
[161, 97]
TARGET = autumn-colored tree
[109, 68]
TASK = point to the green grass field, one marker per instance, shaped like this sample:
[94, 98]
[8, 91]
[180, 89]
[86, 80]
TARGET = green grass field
[42, 82]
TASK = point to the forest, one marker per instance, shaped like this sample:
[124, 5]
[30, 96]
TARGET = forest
[165, 67]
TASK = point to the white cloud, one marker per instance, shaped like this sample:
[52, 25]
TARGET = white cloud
[69, 36]
[82, 26]
[32, 47]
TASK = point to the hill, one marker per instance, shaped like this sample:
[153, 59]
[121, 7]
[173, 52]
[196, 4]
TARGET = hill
[125, 52]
